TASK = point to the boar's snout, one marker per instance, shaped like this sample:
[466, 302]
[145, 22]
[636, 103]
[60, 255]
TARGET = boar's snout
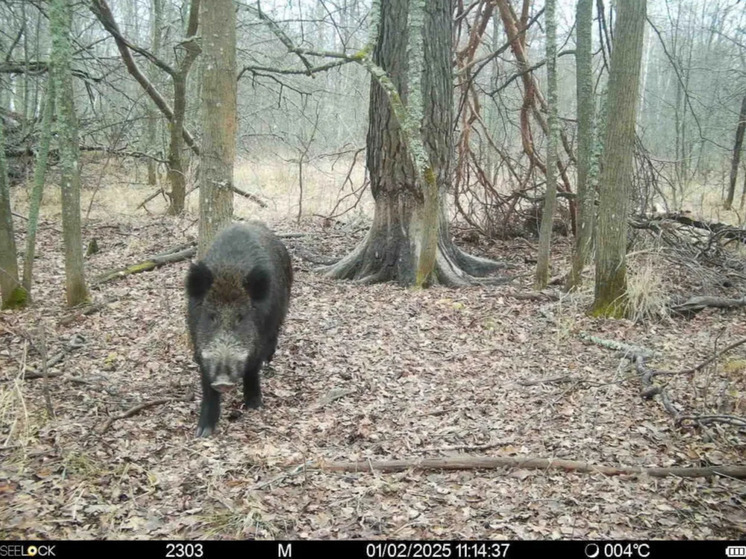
[222, 386]
[224, 365]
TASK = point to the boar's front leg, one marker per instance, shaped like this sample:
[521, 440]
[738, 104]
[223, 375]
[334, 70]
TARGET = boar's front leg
[210, 410]
[252, 392]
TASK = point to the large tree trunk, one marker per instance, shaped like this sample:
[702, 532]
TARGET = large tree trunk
[586, 109]
[13, 295]
[407, 211]
[738, 144]
[616, 175]
[218, 119]
[67, 132]
[550, 200]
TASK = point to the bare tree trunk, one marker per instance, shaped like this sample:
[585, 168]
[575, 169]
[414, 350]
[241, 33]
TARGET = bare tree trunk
[13, 295]
[38, 190]
[176, 165]
[67, 131]
[737, 146]
[218, 119]
[550, 199]
[586, 109]
[156, 16]
[616, 175]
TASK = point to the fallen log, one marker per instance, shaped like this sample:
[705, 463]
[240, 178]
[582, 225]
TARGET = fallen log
[146, 265]
[696, 304]
[720, 229]
[522, 462]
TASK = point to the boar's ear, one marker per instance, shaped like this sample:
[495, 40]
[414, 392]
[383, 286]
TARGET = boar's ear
[199, 279]
[256, 283]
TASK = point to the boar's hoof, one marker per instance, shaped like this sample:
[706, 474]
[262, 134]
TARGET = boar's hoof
[205, 431]
[253, 403]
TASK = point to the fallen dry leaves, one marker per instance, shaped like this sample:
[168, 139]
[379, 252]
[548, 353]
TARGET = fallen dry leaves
[362, 373]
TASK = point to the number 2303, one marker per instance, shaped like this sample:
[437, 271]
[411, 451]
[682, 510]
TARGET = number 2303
[178, 550]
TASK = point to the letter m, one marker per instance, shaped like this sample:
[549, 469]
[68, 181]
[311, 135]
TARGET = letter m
[284, 550]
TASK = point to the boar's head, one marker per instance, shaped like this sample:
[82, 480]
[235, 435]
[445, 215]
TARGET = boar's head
[225, 319]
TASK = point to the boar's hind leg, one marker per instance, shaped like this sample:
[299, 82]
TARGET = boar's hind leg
[252, 392]
[210, 410]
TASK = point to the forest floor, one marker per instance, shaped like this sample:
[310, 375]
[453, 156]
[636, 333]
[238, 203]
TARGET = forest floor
[361, 373]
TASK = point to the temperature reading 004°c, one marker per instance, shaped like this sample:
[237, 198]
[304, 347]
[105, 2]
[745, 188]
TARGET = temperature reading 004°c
[617, 550]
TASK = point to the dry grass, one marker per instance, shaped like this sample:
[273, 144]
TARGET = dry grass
[647, 295]
[274, 180]
[22, 424]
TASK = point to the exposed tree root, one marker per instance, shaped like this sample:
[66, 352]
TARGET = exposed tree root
[474, 462]
[639, 357]
[373, 261]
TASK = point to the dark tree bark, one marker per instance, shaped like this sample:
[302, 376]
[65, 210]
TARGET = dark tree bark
[737, 146]
[391, 250]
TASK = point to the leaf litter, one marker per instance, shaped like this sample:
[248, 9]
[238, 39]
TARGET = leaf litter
[361, 373]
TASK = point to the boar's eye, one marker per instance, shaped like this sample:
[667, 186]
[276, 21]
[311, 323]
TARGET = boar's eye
[212, 316]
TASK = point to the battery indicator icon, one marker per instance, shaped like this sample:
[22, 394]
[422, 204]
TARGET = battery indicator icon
[735, 551]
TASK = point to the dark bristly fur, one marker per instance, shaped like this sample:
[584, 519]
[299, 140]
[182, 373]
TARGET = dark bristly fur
[238, 299]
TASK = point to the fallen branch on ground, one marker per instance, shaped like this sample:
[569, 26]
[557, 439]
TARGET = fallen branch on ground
[705, 362]
[626, 349]
[707, 419]
[74, 343]
[83, 311]
[650, 389]
[45, 371]
[696, 304]
[721, 229]
[527, 463]
[565, 378]
[146, 265]
[140, 407]
[535, 296]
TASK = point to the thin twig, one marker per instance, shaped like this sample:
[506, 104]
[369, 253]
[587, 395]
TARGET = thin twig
[143, 406]
[45, 372]
[704, 363]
